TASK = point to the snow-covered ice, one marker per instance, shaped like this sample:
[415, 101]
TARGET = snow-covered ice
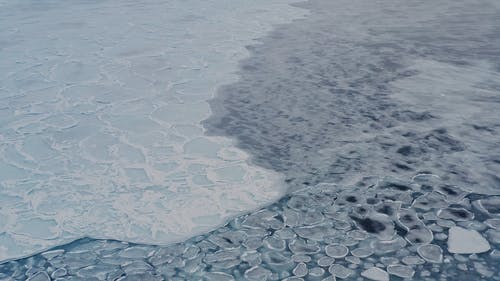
[466, 241]
[100, 111]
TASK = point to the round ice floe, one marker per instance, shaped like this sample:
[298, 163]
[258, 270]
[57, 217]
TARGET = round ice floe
[403, 252]
[389, 260]
[340, 271]
[456, 214]
[325, 261]
[336, 251]
[412, 260]
[316, 232]
[465, 241]
[60, 272]
[402, 271]
[252, 243]
[376, 274]
[431, 253]
[316, 272]
[300, 270]
[291, 217]
[352, 259]
[274, 243]
[362, 252]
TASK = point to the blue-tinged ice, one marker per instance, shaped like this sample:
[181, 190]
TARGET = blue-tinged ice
[100, 111]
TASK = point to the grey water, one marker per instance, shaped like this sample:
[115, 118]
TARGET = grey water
[384, 117]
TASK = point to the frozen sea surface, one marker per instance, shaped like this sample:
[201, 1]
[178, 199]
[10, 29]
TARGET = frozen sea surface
[379, 229]
[100, 110]
[383, 117]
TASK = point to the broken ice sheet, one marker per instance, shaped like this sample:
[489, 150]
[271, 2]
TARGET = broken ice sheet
[101, 126]
[260, 245]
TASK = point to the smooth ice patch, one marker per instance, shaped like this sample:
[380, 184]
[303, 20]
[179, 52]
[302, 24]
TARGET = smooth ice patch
[466, 241]
[100, 111]
[375, 273]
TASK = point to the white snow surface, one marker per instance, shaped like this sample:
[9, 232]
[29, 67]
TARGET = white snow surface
[100, 111]
[466, 241]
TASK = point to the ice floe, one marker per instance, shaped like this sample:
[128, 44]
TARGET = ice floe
[466, 241]
[375, 273]
[402, 271]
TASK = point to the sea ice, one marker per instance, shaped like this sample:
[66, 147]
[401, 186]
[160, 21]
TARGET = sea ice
[431, 253]
[466, 241]
[300, 270]
[247, 248]
[375, 273]
[402, 271]
[101, 114]
[336, 251]
[340, 271]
